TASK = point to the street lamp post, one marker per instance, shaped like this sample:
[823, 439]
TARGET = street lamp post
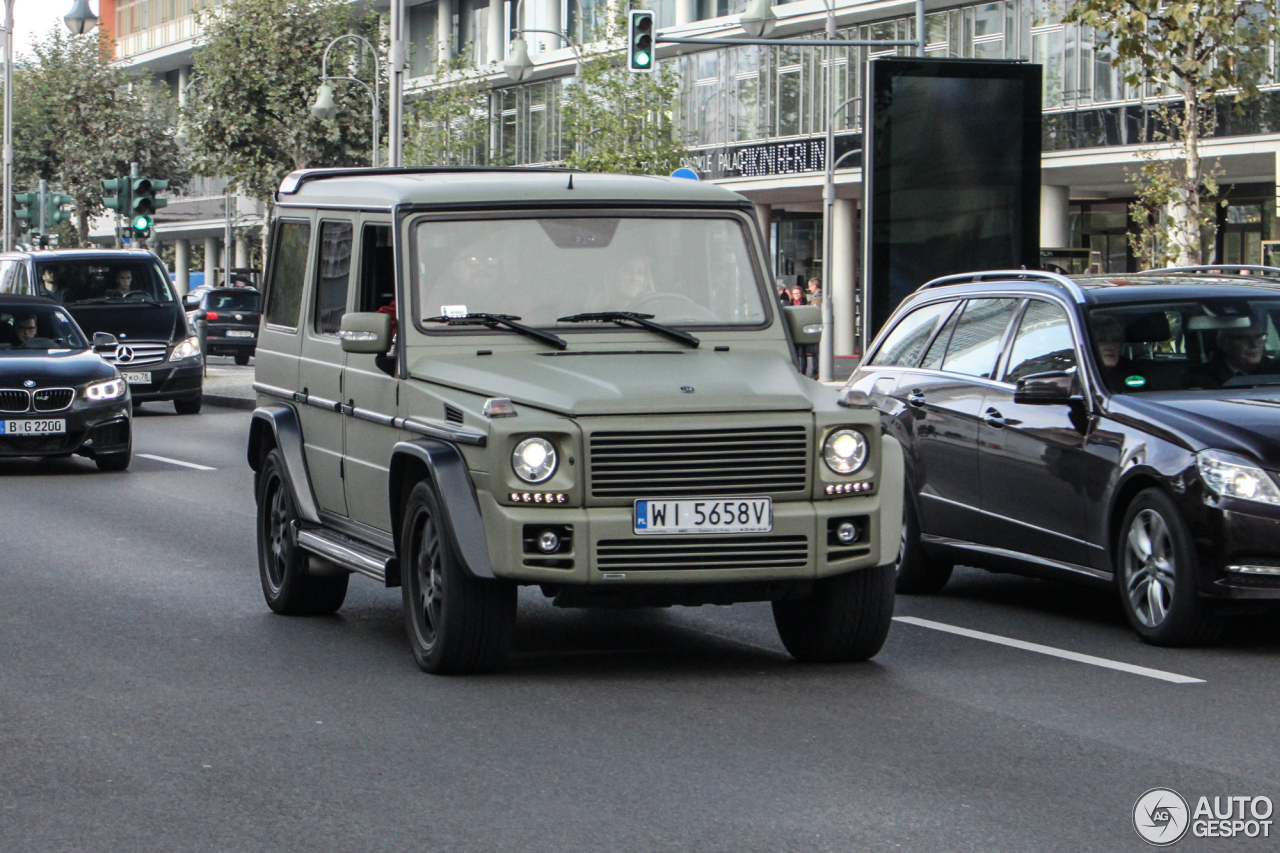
[8, 125]
[324, 107]
[396, 141]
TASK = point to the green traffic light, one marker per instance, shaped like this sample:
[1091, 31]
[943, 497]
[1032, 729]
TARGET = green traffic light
[642, 59]
[141, 224]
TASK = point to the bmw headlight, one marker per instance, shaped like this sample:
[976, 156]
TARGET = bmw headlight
[534, 460]
[112, 389]
[189, 348]
[1232, 476]
[845, 451]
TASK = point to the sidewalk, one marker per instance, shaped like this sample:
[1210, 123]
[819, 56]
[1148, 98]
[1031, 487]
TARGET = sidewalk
[228, 385]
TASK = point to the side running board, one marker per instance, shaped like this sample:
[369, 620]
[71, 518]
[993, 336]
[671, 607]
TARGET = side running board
[350, 554]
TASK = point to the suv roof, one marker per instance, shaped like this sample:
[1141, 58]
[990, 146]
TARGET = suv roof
[387, 188]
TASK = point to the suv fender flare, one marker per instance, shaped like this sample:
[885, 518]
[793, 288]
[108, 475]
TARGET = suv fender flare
[282, 422]
[447, 470]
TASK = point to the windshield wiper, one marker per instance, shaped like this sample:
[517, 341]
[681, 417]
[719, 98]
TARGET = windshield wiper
[501, 321]
[630, 319]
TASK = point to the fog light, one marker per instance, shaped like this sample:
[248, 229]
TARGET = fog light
[548, 542]
[847, 533]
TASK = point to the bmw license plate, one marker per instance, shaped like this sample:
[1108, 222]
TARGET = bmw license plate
[703, 515]
[239, 333]
[33, 426]
[137, 378]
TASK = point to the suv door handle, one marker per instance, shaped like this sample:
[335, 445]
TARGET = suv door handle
[916, 398]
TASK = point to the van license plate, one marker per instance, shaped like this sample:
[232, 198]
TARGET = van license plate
[33, 427]
[137, 378]
[704, 515]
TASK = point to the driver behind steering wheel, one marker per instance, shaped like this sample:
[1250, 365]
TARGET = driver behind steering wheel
[124, 284]
[634, 282]
[24, 329]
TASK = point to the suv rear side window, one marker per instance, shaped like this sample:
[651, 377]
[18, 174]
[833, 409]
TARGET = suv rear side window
[903, 346]
[1044, 342]
[288, 274]
[975, 343]
[333, 277]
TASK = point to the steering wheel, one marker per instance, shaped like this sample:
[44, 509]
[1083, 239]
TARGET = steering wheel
[670, 305]
[141, 293]
[39, 343]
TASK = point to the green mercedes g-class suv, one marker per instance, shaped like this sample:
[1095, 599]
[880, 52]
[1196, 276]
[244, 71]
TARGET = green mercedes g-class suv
[474, 379]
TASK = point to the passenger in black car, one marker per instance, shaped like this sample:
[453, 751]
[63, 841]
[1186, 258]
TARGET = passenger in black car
[1109, 339]
[1241, 352]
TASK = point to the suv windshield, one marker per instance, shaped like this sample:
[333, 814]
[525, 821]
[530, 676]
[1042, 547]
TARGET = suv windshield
[1195, 344]
[104, 281]
[28, 327]
[685, 271]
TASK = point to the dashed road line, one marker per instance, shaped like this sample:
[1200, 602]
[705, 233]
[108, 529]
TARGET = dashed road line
[1106, 663]
[177, 462]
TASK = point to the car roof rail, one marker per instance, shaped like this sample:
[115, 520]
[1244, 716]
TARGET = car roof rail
[294, 180]
[1214, 269]
[1007, 275]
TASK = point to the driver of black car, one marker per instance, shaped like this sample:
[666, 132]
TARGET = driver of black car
[1109, 340]
[124, 284]
[1241, 352]
[24, 329]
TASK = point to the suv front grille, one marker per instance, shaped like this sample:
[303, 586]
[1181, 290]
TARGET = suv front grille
[14, 401]
[137, 354]
[52, 399]
[703, 552]
[705, 463]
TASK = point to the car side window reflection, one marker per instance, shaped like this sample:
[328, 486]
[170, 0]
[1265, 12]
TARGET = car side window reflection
[1043, 344]
[938, 349]
[975, 343]
[903, 345]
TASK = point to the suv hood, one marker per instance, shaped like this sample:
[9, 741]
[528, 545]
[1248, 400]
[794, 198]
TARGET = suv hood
[131, 322]
[1244, 420]
[581, 382]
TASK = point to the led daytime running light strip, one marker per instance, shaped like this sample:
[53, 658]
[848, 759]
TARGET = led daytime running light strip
[845, 488]
[537, 498]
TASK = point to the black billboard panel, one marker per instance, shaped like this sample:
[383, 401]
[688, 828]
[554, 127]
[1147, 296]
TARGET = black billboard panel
[952, 179]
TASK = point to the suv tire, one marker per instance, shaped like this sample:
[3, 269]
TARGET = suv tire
[1156, 570]
[456, 623]
[112, 461]
[282, 565]
[187, 407]
[918, 573]
[845, 618]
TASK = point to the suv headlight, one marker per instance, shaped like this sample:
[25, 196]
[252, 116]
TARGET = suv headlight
[534, 460]
[189, 348]
[109, 390]
[845, 451]
[1232, 476]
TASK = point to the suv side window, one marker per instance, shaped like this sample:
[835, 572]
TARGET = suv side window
[288, 274]
[1044, 342]
[938, 349]
[975, 343]
[20, 284]
[904, 344]
[377, 268]
[333, 276]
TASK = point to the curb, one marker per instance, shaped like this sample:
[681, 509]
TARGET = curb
[228, 402]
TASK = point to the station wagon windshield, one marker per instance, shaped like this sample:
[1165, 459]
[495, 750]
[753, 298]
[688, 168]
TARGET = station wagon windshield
[1203, 344]
[690, 271]
[126, 281]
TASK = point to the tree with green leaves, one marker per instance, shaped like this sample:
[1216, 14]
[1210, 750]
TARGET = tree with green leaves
[256, 72]
[1197, 50]
[615, 120]
[449, 124]
[79, 118]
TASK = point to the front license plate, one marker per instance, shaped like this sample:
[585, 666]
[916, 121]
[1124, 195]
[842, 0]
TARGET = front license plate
[705, 515]
[239, 333]
[33, 427]
[137, 378]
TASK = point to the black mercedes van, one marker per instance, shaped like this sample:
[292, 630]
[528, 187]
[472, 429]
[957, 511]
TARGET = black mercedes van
[126, 294]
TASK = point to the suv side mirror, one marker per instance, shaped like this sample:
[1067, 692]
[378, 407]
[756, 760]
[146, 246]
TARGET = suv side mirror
[805, 322]
[1046, 389]
[104, 341]
[365, 333]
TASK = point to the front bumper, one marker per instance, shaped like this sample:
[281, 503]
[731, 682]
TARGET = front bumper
[91, 429]
[183, 380]
[1233, 533]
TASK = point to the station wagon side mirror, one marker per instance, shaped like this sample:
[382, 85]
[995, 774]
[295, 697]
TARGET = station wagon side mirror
[805, 322]
[104, 341]
[1046, 389]
[368, 333]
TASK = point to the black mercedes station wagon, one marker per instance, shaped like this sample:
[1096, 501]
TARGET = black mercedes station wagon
[57, 397]
[1109, 429]
[126, 294]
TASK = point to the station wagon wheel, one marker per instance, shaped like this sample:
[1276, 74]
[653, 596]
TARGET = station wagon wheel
[288, 582]
[1156, 571]
[916, 572]
[457, 623]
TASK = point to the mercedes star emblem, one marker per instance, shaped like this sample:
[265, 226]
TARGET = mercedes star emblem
[124, 354]
[239, 316]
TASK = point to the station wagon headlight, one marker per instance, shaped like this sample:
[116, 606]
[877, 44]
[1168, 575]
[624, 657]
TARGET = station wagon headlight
[845, 451]
[109, 390]
[1232, 476]
[534, 460]
[189, 348]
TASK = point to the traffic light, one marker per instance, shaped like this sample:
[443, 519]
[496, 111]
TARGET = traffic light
[640, 25]
[27, 208]
[144, 204]
[53, 211]
[117, 198]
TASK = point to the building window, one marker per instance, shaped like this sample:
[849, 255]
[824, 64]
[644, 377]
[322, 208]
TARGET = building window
[422, 38]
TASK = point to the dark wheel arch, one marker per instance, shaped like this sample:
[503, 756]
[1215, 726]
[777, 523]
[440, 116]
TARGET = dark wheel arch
[443, 465]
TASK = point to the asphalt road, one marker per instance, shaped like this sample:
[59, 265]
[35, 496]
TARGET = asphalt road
[149, 701]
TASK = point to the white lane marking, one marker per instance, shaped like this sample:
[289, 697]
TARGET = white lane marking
[1133, 669]
[177, 462]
